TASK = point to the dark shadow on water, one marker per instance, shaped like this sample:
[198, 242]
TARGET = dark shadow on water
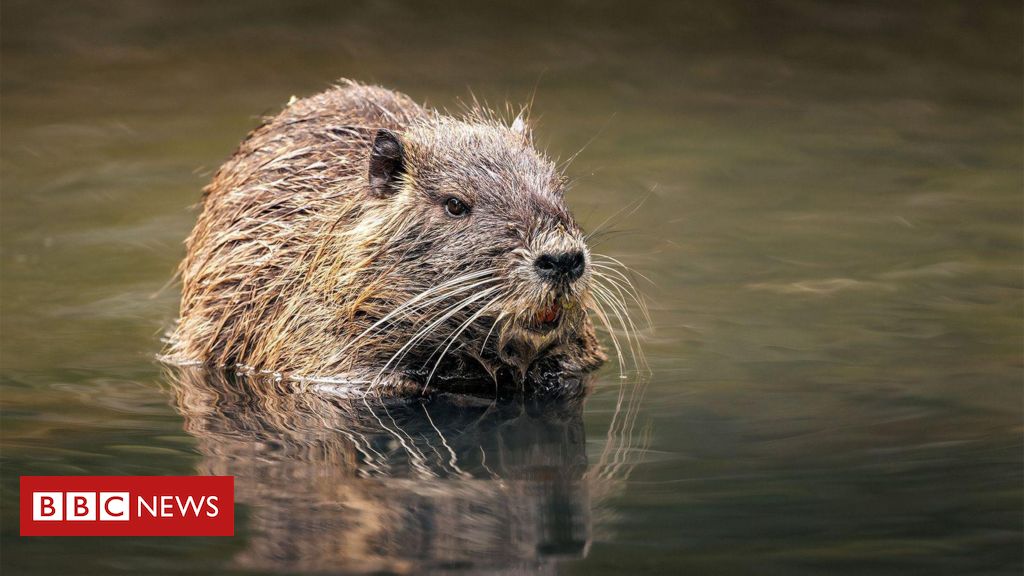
[367, 485]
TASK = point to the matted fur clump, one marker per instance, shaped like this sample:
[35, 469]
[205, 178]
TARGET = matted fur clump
[359, 236]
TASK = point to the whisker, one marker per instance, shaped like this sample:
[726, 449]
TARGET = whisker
[621, 305]
[488, 337]
[608, 299]
[415, 303]
[621, 313]
[625, 290]
[455, 337]
[638, 204]
[406, 311]
[599, 310]
[444, 315]
[616, 261]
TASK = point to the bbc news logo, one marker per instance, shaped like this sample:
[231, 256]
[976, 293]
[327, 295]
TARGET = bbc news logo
[116, 506]
[127, 506]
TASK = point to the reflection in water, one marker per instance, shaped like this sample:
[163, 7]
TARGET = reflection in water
[366, 485]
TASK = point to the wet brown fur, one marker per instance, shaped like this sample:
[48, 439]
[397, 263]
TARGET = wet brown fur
[295, 263]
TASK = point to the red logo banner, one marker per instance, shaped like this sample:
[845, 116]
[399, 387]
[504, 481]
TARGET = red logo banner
[127, 506]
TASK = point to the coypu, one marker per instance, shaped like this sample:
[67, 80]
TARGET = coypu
[360, 236]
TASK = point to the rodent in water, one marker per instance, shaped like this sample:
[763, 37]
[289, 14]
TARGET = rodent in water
[361, 236]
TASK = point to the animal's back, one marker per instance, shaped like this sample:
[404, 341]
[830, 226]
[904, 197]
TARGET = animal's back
[285, 185]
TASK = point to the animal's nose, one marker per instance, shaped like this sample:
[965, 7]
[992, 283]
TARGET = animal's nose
[565, 266]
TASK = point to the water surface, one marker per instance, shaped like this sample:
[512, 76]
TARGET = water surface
[832, 230]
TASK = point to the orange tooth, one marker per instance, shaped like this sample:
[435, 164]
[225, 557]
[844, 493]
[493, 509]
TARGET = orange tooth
[549, 314]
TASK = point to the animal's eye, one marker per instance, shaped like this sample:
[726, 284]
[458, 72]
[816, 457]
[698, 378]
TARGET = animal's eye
[455, 207]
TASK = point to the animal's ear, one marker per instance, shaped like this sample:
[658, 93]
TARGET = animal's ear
[387, 163]
[520, 127]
